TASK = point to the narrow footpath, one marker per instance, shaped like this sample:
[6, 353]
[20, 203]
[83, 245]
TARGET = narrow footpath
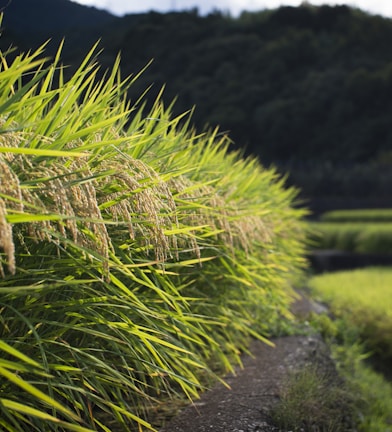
[255, 389]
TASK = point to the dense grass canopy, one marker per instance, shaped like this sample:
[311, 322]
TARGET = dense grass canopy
[137, 257]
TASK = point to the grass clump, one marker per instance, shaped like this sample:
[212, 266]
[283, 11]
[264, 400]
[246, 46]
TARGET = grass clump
[360, 299]
[373, 392]
[313, 400]
[136, 255]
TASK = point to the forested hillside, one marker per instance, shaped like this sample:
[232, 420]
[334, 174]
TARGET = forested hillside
[306, 88]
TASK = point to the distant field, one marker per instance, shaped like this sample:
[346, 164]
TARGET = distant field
[360, 231]
[360, 237]
[364, 297]
[360, 215]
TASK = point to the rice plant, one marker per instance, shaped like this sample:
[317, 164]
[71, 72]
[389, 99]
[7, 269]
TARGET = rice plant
[137, 257]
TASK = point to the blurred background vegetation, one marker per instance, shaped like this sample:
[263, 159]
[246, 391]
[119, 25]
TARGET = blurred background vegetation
[306, 89]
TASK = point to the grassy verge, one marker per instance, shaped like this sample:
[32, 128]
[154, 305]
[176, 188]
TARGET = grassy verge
[360, 300]
[136, 255]
[346, 394]
[369, 394]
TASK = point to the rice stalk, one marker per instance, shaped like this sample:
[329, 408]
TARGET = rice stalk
[140, 258]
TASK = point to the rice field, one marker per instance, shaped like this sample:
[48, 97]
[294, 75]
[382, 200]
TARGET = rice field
[358, 231]
[357, 237]
[358, 215]
[138, 257]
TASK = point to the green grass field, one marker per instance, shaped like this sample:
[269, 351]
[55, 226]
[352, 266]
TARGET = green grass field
[358, 231]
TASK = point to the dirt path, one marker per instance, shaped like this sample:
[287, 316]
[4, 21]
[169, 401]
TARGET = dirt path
[255, 388]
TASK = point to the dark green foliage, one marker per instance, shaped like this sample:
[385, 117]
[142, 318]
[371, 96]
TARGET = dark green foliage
[344, 184]
[59, 16]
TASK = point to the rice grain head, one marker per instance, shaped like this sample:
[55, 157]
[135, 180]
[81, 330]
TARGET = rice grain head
[234, 227]
[142, 200]
[12, 199]
[55, 188]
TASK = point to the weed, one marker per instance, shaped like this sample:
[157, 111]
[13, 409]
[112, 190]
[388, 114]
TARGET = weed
[372, 394]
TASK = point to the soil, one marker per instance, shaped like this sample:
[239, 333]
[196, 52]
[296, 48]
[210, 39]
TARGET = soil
[256, 387]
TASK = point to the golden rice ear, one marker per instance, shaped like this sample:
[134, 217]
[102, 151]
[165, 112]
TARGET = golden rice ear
[234, 226]
[12, 199]
[55, 189]
[6, 240]
[76, 201]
